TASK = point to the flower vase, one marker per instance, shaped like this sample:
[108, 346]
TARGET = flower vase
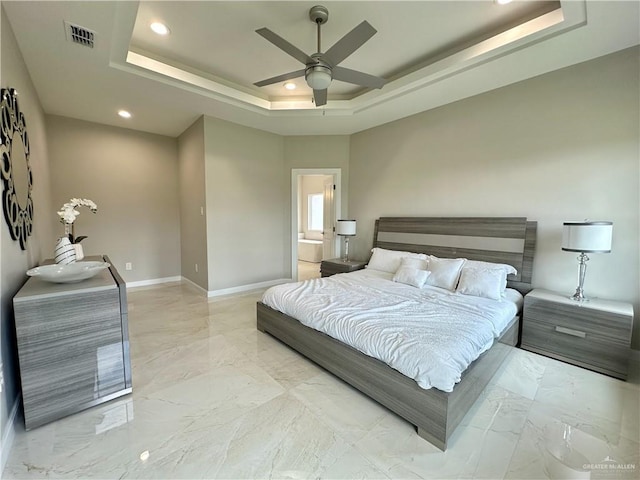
[64, 253]
[79, 251]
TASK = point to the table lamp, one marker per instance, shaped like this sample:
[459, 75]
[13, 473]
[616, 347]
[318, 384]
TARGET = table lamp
[586, 237]
[346, 229]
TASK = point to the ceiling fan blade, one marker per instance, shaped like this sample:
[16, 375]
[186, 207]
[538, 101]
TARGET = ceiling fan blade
[285, 46]
[349, 43]
[320, 97]
[359, 78]
[280, 78]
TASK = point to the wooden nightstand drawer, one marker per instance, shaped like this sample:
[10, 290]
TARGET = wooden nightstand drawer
[594, 324]
[594, 335]
[577, 346]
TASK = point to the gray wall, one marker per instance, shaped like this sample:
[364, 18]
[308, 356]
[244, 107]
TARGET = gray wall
[133, 177]
[314, 152]
[562, 146]
[247, 199]
[320, 151]
[14, 261]
[246, 194]
[193, 225]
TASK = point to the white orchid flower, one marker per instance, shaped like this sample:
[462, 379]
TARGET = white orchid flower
[68, 212]
[88, 203]
[68, 216]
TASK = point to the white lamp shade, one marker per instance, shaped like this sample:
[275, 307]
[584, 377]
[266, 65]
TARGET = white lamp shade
[346, 228]
[318, 77]
[588, 237]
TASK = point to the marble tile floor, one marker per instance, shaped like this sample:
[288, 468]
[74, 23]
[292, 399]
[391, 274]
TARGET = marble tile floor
[308, 270]
[215, 398]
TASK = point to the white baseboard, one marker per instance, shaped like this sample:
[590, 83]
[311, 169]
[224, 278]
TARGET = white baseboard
[234, 290]
[246, 288]
[153, 281]
[9, 434]
[211, 293]
[194, 285]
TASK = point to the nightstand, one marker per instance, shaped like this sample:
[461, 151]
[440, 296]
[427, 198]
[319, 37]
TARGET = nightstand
[338, 265]
[595, 334]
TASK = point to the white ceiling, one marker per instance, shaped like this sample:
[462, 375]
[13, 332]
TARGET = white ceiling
[430, 52]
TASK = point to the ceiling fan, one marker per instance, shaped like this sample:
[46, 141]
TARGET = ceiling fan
[321, 68]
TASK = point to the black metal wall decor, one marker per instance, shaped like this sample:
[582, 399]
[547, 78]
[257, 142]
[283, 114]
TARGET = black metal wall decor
[17, 178]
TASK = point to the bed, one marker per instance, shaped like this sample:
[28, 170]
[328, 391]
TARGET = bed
[435, 413]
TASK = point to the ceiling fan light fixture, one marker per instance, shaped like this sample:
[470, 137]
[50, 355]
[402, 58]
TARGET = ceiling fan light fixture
[321, 68]
[318, 77]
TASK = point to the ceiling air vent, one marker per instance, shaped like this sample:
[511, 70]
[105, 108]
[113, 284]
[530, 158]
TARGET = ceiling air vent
[80, 35]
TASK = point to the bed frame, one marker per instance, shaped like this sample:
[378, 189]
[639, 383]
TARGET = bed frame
[434, 413]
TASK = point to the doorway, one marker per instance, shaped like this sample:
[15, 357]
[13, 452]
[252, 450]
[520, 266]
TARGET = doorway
[315, 206]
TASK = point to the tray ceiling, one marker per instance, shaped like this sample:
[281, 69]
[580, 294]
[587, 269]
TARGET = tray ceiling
[430, 52]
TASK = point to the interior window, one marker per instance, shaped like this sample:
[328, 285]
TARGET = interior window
[315, 203]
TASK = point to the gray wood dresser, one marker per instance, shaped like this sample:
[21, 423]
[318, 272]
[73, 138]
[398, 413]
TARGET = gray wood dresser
[595, 334]
[73, 345]
[338, 265]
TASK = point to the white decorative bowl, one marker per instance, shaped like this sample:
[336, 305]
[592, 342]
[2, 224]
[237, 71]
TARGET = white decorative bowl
[73, 272]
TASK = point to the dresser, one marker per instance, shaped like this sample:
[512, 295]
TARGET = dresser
[338, 265]
[595, 334]
[73, 345]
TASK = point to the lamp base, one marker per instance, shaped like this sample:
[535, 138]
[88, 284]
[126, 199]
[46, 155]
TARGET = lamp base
[582, 263]
[345, 258]
[579, 296]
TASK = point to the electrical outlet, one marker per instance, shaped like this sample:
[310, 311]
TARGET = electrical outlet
[128, 266]
[196, 268]
[201, 211]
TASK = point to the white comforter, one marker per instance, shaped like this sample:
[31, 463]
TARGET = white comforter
[428, 334]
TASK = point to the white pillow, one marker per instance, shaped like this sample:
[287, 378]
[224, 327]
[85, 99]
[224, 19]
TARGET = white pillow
[444, 272]
[419, 263]
[389, 260]
[484, 279]
[482, 282]
[478, 265]
[411, 276]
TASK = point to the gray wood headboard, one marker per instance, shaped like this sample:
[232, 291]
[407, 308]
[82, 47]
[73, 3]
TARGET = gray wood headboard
[509, 240]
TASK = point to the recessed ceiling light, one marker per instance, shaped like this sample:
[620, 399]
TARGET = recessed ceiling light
[502, 2]
[160, 28]
[290, 86]
[124, 114]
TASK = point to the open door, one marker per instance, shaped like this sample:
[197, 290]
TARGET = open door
[329, 221]
[331, 206]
